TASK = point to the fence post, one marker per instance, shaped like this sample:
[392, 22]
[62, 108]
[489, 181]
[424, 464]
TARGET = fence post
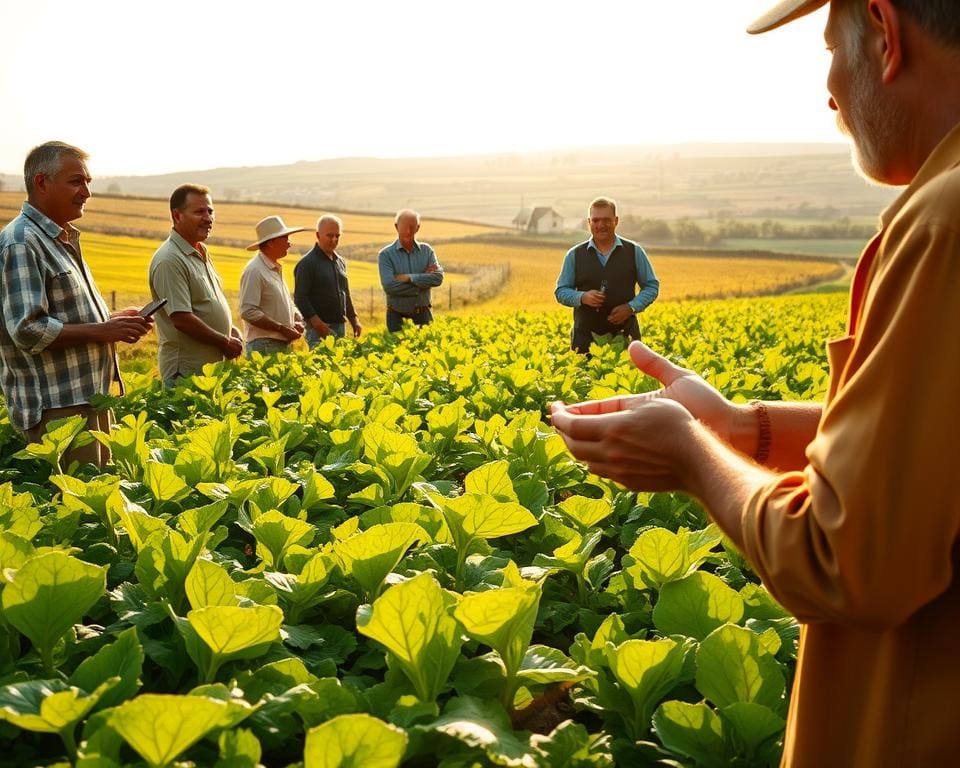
[371, 302]
[451, 295]
[113, 300]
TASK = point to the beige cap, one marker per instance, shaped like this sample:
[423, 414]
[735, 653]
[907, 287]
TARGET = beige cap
[272, 227]
[784, 12]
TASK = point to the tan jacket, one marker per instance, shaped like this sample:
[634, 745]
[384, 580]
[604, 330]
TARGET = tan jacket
[862, 544]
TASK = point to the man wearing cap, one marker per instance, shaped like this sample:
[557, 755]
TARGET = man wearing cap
[321, 288]
[408, 270]
[57, 336]
[599, 280]
[195, 327]
[266, 307]
[848, 509]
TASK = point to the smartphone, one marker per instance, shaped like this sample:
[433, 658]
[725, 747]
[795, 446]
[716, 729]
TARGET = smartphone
[152, 307]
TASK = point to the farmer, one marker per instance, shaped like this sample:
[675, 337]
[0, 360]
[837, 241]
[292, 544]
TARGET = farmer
[598, 278]
[195, 327]
[271, 319]
[408, 270]
[847, 510]
[321, 288]
[57, 337]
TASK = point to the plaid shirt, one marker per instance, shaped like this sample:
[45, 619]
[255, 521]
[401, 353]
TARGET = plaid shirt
[45, 284]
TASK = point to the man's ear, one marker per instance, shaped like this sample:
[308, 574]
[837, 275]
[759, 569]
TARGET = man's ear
[884, 20]
[40, 182]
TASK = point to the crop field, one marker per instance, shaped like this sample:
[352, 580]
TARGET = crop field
[379, 554]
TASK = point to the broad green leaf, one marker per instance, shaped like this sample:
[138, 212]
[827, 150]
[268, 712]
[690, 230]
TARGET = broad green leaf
[411, 620]
[161, 726]
[428, 518]
[752, 728]
[165, 559]
[121, 659]
[369, 556]
[570, 745]
[138, 523]
[397, 455]
[48, 706]
[694, 731]
[483, 724]
[301, 591]
[660, 556]
[199, 520]
[503, 619]
[491, 479]
[696, 605]
[486, 518]
[585, 512]
[234, 632]
[49, 594]
[60, 435]
[14, 552]
[543, 665]
[649, 670]
[733, 666]
[163, 481]
[209, 584]
[270, 493]
[18, 512]
[354, 741]
[275, 533]
[239, 748]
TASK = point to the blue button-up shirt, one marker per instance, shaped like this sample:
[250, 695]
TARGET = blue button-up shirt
[569, 296]
[44, 285]
[395, 260]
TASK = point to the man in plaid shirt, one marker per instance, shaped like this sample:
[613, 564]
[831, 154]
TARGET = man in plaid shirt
[57, 336]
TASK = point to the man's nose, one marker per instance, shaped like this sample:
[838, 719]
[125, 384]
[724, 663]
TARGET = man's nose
[832, 104]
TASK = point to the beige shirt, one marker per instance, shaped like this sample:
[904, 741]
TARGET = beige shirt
[185, 277]
[264, 294]
[862, 545]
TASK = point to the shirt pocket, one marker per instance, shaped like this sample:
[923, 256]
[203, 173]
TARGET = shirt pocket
[64, 296]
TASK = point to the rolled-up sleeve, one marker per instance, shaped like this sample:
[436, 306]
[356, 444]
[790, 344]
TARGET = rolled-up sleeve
[24, 301]
[865, 535]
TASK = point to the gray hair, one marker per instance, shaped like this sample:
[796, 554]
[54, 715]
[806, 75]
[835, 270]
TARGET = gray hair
[327, 218]
[603, 202]
[406, 212]
[47, 159]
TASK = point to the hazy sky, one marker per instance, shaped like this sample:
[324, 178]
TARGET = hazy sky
[148, 87]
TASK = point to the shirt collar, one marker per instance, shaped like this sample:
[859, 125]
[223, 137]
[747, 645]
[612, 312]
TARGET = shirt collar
[398, 247]
[616, 242]
[269, 263]
[48, 225]
[945, 155]
[185, 248]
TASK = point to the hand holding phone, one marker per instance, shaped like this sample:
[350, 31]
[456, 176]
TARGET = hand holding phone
[152, 307]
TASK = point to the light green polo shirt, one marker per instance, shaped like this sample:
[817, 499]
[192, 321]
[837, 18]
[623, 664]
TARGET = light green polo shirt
[185, 277]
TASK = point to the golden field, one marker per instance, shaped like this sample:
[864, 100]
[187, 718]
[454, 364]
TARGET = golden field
[235, 222]
[534, 271]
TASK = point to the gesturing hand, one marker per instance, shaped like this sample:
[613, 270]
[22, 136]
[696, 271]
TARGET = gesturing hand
[126, 328]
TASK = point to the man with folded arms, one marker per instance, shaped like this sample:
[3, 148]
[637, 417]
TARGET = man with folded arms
[265, 304]
[849, 509]
[408, 270]
[57, 337]
[321, 289]
[195, 327]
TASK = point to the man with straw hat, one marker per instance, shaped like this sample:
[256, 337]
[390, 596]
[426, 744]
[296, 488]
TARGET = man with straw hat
[847, 509]
[272, 321]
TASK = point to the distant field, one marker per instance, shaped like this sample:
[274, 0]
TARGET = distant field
[534, 270]
[235, 222]
[836, 248]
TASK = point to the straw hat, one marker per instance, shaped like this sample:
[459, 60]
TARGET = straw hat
[272, 227]
[782, 12]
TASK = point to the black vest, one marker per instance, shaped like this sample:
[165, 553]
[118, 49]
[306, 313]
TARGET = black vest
[617, 279]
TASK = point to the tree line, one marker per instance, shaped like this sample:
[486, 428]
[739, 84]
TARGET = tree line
[686, 231]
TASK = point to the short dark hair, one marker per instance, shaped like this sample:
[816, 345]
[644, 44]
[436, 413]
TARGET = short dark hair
[603, 202]
[179, 197]
[47, 159]
[939, 18]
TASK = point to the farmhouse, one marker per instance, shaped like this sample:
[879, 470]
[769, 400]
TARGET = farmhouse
[541, 220]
